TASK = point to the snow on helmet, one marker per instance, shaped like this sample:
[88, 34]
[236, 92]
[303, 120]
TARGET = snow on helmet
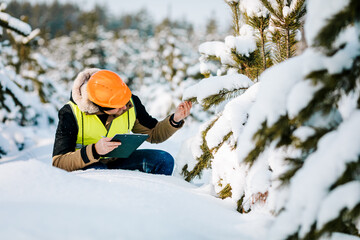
[106, 89]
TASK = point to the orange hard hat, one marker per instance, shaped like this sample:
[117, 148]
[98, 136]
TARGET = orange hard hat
[107, 89]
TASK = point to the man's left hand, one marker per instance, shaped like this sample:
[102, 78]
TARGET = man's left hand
[182, 111]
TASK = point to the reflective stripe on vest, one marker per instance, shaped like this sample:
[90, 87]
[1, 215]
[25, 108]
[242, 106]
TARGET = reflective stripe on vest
[92, 129]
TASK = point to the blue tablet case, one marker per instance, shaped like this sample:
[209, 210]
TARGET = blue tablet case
[129, 143]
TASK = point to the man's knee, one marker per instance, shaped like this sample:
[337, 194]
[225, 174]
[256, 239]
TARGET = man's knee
[166, 163]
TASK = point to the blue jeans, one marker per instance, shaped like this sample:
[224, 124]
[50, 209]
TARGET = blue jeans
[145, 160]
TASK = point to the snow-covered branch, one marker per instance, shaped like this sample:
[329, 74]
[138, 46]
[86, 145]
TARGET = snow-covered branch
[14, 24]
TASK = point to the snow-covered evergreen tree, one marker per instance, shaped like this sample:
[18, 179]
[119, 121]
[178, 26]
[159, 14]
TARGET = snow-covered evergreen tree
[244, 53]
[285, 24]
[256, 16]
[304, 127]
[290, 142]
[214, 146]
[27, 97]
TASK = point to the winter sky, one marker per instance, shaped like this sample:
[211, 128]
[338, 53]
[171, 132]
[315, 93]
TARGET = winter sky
[196, 11]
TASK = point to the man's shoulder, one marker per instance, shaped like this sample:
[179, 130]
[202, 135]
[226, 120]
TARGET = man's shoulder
[136, 99]
[142, 115]
[65, 109]
[66, 113]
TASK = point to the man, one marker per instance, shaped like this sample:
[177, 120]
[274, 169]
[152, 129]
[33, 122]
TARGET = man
[101, 106]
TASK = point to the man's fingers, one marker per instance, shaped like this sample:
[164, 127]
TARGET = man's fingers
[114, 144]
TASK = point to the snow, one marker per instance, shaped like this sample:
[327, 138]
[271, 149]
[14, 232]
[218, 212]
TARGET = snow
[213, 85]
[217, 49]
[303, 133]
[224, 52]
[336, 202]
[318, 15]
[243, 45]
[15, 23]
[217, 132]
[253, 8]
[225, 170]
[299, 97]
[304, 202]
[31, 36]
[38, 201]
[286, 11]
[340, 236]
[232, 1]
[257, 179]
[271, 100]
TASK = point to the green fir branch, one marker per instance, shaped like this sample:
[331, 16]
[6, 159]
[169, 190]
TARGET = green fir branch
[5, 24]
[225, 192]
[192, 100]
[260, 24]
[218, 98]
[204, 161]
[270, 8]
[225, 139]
[240, 206]
[299, 10]
[296, 164]
[343, 223]
[327, 98]
[348, 16]
[310, 144]
[250, 65]
[284, 37]
[281, 131]
[351, 173]
[211, 58]
[234, 6]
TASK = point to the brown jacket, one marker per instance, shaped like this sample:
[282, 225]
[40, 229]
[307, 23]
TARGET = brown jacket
[64, 154]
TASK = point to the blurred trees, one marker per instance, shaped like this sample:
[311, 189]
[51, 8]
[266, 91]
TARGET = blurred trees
[156, 60]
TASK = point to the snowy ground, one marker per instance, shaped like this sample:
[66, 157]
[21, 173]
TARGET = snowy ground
[38, 201]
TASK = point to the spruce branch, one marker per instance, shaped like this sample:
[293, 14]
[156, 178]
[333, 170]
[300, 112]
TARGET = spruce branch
[218, 98]
[270, 8]
[234, 6]
[204, 160]
[336, 24]
[298, 11]
[343, 223]
[284, 36]
[225, 139]
[327, 98]
[192, 100]
[281, 131]
[260, 24]
[296, 164]
[225, 192]
[351, 173]
[5, 24]
[310, 144]
[240, 205]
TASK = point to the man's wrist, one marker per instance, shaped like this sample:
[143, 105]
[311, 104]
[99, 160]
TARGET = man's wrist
[175, 123]
[94, 152]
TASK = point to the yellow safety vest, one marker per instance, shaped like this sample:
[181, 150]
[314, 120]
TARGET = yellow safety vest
[91, 129]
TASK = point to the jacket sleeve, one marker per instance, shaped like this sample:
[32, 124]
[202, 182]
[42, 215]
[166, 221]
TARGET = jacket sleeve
[64, 154]
[158, 131]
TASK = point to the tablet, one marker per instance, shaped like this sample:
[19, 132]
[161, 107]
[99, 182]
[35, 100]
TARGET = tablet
[129, 143]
